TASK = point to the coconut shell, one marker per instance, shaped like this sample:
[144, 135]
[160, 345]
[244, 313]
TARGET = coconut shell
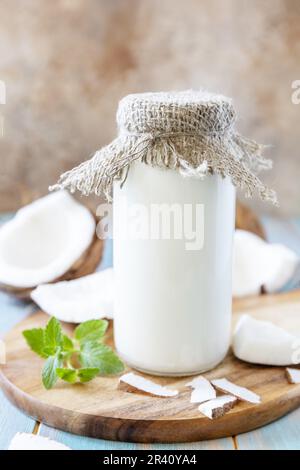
[246, 219]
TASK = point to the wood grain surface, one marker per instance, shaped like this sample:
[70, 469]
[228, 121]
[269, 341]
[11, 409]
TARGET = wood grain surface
[99, 409]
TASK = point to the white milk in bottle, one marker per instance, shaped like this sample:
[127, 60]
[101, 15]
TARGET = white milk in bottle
[173, 296]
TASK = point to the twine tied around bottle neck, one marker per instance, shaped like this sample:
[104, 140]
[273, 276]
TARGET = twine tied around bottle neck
[192, 132]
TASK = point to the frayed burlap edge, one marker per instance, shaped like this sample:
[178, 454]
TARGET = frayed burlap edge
[193, 156]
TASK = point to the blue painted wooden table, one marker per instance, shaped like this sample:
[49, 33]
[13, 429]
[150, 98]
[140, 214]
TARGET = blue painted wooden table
[283, 434]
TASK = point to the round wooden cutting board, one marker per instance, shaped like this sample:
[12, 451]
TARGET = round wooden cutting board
[99, 409]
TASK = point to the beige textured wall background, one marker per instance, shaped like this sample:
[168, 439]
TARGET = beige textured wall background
[66, 63]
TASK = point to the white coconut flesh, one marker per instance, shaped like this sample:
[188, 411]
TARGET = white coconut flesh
[262, 342]
[44, 240]
[241, 393]
[217, 407]
[26, 441]
[136, 383]
[258, 264]
[202, 390]
[90, 297]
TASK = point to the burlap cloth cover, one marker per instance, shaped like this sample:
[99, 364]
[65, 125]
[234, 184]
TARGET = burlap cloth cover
[191, 131]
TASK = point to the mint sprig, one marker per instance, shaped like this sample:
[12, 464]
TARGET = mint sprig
[61, 352]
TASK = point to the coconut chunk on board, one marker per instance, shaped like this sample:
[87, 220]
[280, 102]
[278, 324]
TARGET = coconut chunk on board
[134, 383]
[26, 441]
[87, 298]
[293, 375]
[241, 393]
[262, 342]
[203, 390]
[217, 407]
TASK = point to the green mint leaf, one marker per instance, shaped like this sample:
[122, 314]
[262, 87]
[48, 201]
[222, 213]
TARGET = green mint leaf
[49, 375]
[98, 355]
[91, 330]
[36, 341]
[68, 375]
[67, 344]
[52, 344]
[85, 375]
[53, 336]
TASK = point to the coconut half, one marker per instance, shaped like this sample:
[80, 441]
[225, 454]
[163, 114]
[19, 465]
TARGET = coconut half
[258, 265]
[261, 342]
[87, 298]
[51, 239]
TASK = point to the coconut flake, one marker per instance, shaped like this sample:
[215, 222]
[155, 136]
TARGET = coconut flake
[258, 264]
[241, 393]
[90, 297]
[217, 407]
[134, 383]
[203, 390]
[44, 240]
[261, 342]
[24, 441]
[293, 375]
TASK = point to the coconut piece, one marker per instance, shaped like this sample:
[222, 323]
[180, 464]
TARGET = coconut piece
[25, 441]
[203, 390]
[217, 407]
[243, 394]
[261, 342]
[293, 375]
[260, 265]
[51, 239]
[2, 352]
[134, 383]
[90, 297]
